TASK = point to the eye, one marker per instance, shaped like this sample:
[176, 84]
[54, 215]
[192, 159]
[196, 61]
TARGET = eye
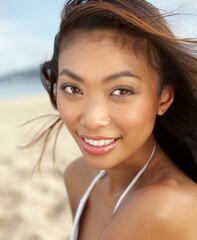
[71, 89]
[122, 92]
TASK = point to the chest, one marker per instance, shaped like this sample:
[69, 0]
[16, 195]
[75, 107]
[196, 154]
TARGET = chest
[96, 217]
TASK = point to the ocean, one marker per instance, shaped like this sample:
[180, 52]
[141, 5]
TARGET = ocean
[12, 88]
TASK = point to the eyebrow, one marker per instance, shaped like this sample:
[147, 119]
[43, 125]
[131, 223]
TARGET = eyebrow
[106, 79]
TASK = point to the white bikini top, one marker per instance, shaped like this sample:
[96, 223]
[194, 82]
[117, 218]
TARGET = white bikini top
[81, 206]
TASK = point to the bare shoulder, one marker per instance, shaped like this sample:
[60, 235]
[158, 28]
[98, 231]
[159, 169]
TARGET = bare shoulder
[166, 209]
[77, 176]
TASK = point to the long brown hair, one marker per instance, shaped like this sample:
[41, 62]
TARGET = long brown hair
[174, 59]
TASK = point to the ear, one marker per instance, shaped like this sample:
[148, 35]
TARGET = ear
[166, 99]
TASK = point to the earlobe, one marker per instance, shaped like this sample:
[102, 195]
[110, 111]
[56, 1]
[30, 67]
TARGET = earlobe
[166, 99]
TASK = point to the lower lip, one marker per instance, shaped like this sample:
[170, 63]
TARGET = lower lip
[99, 151]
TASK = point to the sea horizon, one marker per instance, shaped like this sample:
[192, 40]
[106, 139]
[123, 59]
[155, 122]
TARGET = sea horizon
[20, 84]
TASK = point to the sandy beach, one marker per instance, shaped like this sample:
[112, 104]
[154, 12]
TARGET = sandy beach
[32, 207]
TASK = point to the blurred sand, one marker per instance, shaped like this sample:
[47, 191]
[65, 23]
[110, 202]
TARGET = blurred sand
[32, 207]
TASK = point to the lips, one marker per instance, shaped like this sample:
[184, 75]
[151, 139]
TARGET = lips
[98, 145]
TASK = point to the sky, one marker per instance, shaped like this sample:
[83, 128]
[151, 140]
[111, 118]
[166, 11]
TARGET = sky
[27, 29]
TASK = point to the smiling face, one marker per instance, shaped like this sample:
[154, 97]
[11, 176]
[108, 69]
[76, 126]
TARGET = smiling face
[108, 99]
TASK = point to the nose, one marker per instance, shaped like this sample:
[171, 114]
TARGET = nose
[95, 115]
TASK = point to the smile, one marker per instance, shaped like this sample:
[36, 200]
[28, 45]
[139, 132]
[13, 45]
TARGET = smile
[98, 143]
[98, 146]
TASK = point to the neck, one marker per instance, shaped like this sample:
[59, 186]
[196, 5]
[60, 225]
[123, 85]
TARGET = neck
[116, 179]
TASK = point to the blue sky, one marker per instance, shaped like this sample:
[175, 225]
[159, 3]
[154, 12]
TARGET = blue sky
[27, 29]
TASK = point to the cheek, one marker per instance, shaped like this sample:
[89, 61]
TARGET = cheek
[67, 113]
[60, 106]
[136, 116]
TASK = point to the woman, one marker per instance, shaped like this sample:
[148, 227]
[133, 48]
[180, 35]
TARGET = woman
[125, 87]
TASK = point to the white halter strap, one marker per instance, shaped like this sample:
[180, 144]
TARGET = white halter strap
[83, 200]
[138, 175]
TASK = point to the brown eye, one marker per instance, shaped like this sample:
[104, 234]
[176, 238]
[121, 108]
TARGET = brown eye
[71, 89]
[122, 92]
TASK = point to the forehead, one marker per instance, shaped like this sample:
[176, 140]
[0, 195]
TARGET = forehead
[142, 48]
[114, 42]
[99, 54]
[95, 45]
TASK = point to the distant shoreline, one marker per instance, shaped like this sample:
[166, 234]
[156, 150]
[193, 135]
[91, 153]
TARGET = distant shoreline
[13, 89]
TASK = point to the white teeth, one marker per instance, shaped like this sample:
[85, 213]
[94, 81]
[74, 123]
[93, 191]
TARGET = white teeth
[98, 143]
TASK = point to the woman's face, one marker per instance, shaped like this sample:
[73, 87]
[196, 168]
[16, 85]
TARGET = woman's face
[108, 99]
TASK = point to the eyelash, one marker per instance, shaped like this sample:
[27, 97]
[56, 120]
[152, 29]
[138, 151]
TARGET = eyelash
[125, 90]
[71, 89]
